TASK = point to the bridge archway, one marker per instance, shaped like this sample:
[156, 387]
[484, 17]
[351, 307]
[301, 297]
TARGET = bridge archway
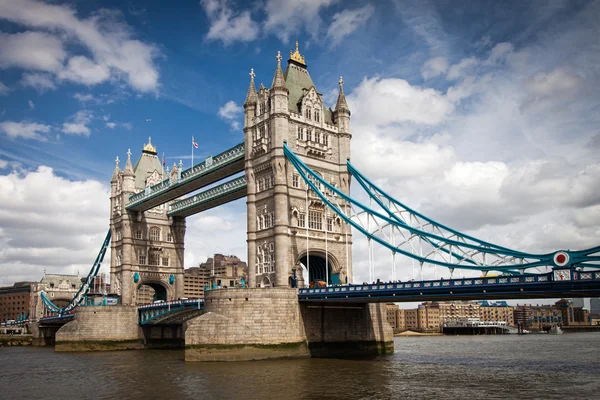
[149, 292]
[316, 265]
[265, 282]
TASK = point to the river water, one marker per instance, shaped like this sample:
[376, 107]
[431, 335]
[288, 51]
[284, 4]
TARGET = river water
[444, 367]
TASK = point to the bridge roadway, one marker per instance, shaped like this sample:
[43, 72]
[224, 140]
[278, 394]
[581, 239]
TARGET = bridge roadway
[581, 284]
[213, 197]
[221, 166]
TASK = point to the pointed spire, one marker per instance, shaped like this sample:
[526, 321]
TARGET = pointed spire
[251, 97]
[341, 100]
[128, 167]
[278, 80]
[117, 171]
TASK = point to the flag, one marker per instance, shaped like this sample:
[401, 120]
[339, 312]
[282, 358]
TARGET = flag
[163, 160]
[194, 143]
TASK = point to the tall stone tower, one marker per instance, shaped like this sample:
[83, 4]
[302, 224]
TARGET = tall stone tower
[146, 247]
[292, 235]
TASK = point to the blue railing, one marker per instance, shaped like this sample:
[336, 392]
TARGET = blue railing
[150, 312]
[424, 286]
[232, 186]
[228, 156]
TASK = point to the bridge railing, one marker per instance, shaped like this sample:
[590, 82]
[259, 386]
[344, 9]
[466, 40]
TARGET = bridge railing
[210, 194]
[189, 174]
[150, 312]
[462, 282]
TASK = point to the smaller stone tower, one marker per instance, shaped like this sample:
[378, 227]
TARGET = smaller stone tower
[147, 247]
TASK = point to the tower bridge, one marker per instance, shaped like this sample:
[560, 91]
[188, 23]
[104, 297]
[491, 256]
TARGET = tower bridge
[295, 173]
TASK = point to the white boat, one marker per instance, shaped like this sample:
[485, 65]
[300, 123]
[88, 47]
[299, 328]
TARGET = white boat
[555, 330]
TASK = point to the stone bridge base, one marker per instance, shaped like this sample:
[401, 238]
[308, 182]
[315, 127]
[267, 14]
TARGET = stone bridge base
[347, 330]
[255, 324]
[100, 328]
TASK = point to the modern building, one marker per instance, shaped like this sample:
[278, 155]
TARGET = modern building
[14, 301]
[571, 315]
[595, 306]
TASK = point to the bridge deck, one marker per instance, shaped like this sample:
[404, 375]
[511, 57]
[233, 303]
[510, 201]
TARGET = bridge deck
[213, 197]
[223, 165]
[584, 284]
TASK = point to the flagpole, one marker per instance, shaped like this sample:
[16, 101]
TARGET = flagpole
[192, 152]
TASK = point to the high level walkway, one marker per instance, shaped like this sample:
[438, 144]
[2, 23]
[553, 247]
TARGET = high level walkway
[223, 165]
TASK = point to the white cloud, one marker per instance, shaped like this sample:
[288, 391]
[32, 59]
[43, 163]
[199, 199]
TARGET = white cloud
[226, 24]
[84, 97]
[83, 70]
[40, 82]
[31, 50]
[105, 35]
[231, 112]
[127, 126]
[78, 124]
[111, 125]
[3, 164]
[61, 234]
[25, 130]
[434, 67]
[285, 18]
[3, 89]
[31, 105]
[347, 21]
[463, 68]
[558, 82]
[382, 102]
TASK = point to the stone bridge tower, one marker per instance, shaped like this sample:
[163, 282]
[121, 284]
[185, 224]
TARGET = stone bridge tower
[147, 247]
[291, 233]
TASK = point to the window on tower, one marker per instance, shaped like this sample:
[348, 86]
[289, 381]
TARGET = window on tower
[308, 113]
[138, 234]
[155, 234]
[317, 116]
[296, 180]
[315, 220]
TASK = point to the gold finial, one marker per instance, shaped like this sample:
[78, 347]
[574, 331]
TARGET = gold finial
[296, 56]
[148, 148]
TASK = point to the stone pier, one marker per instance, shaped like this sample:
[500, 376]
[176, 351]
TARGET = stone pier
[255, 324]
[101, 328]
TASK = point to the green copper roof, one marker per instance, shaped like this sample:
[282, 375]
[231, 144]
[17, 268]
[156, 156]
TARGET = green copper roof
[145, 166]
[297, 78]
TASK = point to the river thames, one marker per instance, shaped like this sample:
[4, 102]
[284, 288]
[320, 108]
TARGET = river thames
[443, 367]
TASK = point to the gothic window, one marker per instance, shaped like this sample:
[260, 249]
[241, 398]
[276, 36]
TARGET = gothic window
[315, 220]
[307, 113]
[300, 133]
[326, 140]
[317, 116]
[119, 235]
[301, 220]
[141, 258]
[165, 261]
[261, 184]
[296, 180]
[138, 234]
[262, 108]
[330, 224]
[271, 247]
[155, 234]
[154, 259]
[272, 219]
[259, 220]
[267, 220]
[169, 237]
[261, 133]
[317, 137]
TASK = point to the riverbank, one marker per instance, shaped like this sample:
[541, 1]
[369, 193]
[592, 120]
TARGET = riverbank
[15, 340]
[413, 334]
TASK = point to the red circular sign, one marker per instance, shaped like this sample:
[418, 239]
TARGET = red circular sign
[561, 258]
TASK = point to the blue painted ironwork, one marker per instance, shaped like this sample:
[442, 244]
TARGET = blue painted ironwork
[150, 312]
[584, 283]
[455, 249]
[225, 158]
[84, 288]
[219, 191]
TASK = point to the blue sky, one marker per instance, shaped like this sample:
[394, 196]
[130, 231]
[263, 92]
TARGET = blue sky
[483, 115]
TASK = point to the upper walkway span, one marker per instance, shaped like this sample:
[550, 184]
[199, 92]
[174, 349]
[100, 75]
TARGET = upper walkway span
[207, 172]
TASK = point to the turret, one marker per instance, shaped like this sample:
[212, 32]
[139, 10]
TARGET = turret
[341, 114]
[128, 175]
[279, 93]
[250, 103]
[114, 182]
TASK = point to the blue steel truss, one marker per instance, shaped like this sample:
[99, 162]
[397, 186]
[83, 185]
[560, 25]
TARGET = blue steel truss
[227, 157]
[232, 187]
[405, 231]
[83, 289]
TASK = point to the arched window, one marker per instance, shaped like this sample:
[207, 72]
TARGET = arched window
[317, 116]
[317, 137]
[326, 140]
[155, 234]
[307, 113]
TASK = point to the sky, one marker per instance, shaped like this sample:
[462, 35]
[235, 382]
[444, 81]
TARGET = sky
[484, 116]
